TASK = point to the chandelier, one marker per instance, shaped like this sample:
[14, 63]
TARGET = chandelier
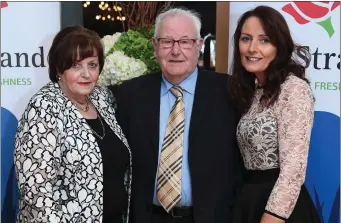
[108, 11]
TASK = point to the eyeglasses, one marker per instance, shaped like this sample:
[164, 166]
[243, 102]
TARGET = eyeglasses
[169, 43]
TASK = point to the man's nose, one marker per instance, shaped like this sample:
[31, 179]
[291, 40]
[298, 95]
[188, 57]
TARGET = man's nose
[176, 48]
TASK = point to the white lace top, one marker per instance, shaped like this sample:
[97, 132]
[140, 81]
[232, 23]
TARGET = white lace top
[279, 137]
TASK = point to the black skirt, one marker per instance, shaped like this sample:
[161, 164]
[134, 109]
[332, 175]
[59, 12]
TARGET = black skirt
[252, 199]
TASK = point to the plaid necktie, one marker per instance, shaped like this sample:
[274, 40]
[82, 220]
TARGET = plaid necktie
[169, 173]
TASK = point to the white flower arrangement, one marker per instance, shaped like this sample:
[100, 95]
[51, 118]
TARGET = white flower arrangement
[118, 67]
[109, 41]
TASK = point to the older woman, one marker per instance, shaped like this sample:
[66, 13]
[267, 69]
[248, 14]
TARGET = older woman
[72, 160]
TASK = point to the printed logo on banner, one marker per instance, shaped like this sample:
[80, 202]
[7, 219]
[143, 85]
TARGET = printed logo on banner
[9, 191]
[318, 12]
[4, 4]
[323, 176]
[323, 173]
[20, 59]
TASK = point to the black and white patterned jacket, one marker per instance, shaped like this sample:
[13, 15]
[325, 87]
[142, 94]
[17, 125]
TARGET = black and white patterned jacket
[58, 161]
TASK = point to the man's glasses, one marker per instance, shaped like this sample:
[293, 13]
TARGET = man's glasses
[169, 43]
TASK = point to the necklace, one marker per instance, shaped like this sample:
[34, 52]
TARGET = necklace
[103, 129]
[86, 105]
[76, 104]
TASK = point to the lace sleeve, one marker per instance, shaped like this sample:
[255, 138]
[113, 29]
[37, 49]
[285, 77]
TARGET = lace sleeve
[37, 160]
[295, 113]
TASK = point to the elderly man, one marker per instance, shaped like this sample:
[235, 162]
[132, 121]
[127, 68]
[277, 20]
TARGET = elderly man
[181, 127]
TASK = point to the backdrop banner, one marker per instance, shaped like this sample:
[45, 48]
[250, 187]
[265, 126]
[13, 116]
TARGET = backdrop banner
[27, 30]
[315, 25]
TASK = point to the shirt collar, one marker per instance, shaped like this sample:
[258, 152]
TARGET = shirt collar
[188, 84]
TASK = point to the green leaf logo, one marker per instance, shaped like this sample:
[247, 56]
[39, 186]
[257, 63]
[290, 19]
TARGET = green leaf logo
[317, 12]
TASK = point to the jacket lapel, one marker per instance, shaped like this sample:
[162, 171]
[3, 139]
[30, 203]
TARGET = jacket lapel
[102, 103]
[201, 102]
[152, 110]
[151, 103]
[103, 100]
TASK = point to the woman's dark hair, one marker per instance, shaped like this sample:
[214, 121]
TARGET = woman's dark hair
[242, 82]
[70, 45]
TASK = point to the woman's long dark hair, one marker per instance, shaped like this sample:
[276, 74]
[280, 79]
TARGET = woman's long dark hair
[242, 82]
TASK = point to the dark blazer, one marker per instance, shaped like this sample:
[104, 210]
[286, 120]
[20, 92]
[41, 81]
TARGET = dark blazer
[213, 153]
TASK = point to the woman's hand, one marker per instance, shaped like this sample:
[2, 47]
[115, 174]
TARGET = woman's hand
[267, 218]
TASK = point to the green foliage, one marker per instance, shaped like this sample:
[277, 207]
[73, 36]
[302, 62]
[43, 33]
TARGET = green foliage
[138, 44]
[146, 32]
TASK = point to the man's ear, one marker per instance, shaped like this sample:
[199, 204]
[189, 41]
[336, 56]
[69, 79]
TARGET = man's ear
[200, 42]
[154, 41]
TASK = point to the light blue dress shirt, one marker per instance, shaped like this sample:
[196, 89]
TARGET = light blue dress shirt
[167, 100]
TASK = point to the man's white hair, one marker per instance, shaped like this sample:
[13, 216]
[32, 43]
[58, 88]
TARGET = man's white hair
[194, 16]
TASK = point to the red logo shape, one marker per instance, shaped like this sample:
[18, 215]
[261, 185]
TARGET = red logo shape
[4, 4]
[318, 12]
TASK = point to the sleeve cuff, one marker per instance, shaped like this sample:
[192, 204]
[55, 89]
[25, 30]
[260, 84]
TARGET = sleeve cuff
[275, 215]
